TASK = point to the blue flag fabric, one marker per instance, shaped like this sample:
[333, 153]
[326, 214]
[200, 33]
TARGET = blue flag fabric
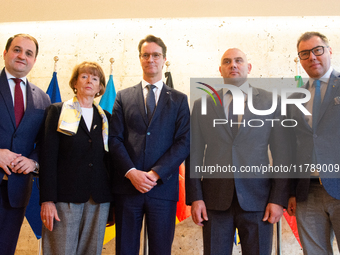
[53, 90]
[108, 99]
[33, 209]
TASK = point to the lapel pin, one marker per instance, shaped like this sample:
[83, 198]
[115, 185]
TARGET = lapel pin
[337, 100]
[94, 127]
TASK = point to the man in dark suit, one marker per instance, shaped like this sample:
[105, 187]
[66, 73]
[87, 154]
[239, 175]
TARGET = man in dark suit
[222, 204]
[315, 197]
[22, 107]
[149, 139]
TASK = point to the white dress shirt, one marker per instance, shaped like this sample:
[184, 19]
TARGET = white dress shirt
[228, 97]
[12, 86]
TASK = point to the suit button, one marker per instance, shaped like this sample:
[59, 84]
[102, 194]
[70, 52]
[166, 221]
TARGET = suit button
[90, 165]
[90, 141]
[148, 133]
[315, 136]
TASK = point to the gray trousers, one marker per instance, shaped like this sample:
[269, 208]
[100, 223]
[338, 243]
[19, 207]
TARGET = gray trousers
[318, 218]
[80, 230]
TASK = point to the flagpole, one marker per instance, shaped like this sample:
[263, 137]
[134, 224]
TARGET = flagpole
[279, 237]
[112, 60]
[167, 63]
[56, 59]
[146, 242]
[297, 60]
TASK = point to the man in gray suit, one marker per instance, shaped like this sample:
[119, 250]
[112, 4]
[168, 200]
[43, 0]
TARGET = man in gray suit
[315, 198]
[250, 204]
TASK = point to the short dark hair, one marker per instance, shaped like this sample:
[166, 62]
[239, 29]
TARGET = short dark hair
[154, 39]
[88, 67]
[306, 36]
[10, 40]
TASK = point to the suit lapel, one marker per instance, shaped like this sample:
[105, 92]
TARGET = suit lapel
[162, 101]
[302, 115]
[96, 121]
[332, 88]
[247, 114]
[139, 99]
[29, 103]
[219, 110]
[5, 92]
[82, 125]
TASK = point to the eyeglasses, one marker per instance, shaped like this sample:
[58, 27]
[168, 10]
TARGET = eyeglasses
[155, 56]
[317, 51]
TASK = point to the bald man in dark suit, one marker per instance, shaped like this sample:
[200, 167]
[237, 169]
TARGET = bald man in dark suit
[223, 204]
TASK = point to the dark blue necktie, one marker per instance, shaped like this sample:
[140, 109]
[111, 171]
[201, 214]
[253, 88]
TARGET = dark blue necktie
[150, 101]
[233, 119]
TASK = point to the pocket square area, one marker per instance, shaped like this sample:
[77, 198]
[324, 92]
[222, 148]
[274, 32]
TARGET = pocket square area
[337, 100]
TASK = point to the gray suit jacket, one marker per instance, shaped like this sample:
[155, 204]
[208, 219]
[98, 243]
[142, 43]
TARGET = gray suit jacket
[249, 148]
[325, 141]
[22, 139]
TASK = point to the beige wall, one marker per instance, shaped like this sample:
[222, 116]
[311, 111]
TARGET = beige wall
[195, 45]
[38, 10]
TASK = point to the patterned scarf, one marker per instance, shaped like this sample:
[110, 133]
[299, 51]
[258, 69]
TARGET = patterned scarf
[70, 117]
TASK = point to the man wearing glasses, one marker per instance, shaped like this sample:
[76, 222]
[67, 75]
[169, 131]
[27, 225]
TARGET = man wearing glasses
[315, 197]
[149, 139]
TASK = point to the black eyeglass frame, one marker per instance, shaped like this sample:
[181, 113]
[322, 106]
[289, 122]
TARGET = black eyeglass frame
[312, 50]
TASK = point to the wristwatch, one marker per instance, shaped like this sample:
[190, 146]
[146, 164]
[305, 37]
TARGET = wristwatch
[36, 170]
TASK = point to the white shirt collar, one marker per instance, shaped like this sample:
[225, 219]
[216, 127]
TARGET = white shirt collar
[244, 87]
[10, 76]
[158, 84]
[324, 78]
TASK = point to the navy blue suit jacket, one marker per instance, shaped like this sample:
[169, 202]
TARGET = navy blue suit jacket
[161, 145]
[325, 141]
[22, 139]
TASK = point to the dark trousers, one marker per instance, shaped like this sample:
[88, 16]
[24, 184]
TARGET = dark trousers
[160, 221]
[218, 232]
[10, 222]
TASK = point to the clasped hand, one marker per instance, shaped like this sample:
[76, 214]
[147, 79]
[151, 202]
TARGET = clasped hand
[143, 181]
[16, 163]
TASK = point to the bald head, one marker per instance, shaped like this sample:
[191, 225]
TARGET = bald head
[234, 66]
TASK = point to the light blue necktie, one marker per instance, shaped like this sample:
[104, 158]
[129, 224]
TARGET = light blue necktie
[315, 113]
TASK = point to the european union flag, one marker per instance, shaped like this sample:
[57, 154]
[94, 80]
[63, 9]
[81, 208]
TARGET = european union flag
[108, 99]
